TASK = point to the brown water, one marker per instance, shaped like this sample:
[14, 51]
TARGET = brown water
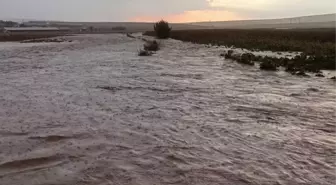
[92, 112]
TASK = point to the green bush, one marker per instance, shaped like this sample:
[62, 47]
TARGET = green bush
[162, 29]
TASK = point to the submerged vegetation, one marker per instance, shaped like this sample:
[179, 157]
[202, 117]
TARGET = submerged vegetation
[268, 65]
[149, 48]
[144, 53]
[317, 46]
[296, 66]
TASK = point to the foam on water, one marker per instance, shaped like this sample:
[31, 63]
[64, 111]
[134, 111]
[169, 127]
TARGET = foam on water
[93, 112]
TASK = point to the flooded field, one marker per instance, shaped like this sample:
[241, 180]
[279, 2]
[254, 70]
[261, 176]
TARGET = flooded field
[92, 112]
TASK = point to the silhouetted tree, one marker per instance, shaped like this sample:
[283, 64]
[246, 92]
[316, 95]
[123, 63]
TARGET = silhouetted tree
[162, 29]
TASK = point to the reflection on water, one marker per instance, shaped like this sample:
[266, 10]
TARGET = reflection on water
[93, 112]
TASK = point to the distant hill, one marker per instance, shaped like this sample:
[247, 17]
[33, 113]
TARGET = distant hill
[314, 21]
[130, 26]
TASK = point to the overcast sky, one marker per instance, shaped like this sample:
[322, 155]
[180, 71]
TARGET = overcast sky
[152, 10]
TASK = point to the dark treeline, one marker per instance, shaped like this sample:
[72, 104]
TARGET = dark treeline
[8, 23]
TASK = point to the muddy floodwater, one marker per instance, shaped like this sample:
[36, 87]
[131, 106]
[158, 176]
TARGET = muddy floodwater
[92, 112]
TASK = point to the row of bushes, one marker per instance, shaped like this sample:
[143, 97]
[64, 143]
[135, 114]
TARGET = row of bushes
[296, 66]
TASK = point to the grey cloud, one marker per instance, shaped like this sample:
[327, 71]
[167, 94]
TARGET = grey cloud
[123, 10]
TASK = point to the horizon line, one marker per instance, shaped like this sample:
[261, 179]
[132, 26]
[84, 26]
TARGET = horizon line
[151, 22]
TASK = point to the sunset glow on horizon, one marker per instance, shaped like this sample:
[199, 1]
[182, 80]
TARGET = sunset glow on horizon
[192, 16]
